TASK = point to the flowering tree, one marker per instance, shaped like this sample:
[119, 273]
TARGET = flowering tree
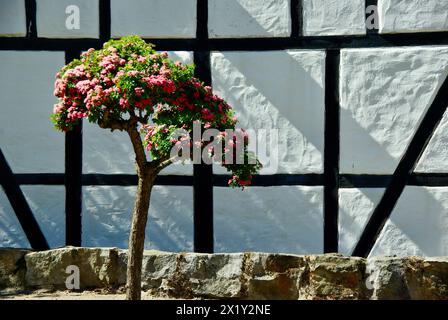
[128, 86]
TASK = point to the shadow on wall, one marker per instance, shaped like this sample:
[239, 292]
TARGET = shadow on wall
[269, 18]
[258, 86]
[381, 107]
[107, 217]
[47, 204]
[270, 219]
[416, 227]
[11, 234]
[418, 224]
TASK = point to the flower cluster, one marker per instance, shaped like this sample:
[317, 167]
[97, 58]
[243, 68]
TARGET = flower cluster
[128, 79]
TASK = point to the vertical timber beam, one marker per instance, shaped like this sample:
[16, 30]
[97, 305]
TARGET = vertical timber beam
[203, 173]
[73, 178]
[331, 151]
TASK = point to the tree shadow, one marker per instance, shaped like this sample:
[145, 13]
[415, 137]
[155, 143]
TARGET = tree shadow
[256, 84]
[246, 18]
[255, 220]
[107, 217]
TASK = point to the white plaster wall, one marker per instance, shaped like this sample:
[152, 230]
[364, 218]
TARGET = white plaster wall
[111, 152]
[355, 209]
[12, 18]
[51, 19]
[154, 18]
[418, 225]
[107, 217]
[269, 219]
[333, 17]
[384, 93]
[282, 90]
[26, 103]
[249, 18]
[48, 206]
[11, 233]
[435, 156]
[412, 15]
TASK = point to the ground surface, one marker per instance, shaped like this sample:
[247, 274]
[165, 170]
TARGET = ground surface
[67, 295]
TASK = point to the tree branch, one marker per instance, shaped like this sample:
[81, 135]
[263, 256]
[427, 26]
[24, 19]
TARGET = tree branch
[140, 156]
[113, 124]
[163, 163]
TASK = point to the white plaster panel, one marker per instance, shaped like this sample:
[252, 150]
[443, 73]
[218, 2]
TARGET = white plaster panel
[47, 204]
[107, 217]
[154, 18]
[11, 233]
[111, 152]
[27, 137]
[355, 209]
[384, 94]
[12, 18]
[412, 15]
[280, 90]
[249, 18]
[105, 151]
[51, 19]
[435, 156]
[270, 219]
[418, 225]
[333, 17]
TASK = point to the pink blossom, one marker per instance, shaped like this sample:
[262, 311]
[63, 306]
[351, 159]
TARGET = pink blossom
[124, 102]
[164, 71]
[58, 108]
[207, 115]
[133, 73]
[139, 91]
[83, 86]
[59, 88]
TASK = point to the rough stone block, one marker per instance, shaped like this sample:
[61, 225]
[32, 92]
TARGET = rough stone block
[97, 266]
[12, 268]
[431, 282]
[273, 276]
[386, 278]
[334, 276]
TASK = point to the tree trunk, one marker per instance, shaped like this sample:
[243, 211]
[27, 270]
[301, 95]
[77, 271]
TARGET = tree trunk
[137, 235]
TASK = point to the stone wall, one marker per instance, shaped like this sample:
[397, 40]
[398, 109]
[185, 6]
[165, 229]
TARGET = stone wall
[236, 276]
